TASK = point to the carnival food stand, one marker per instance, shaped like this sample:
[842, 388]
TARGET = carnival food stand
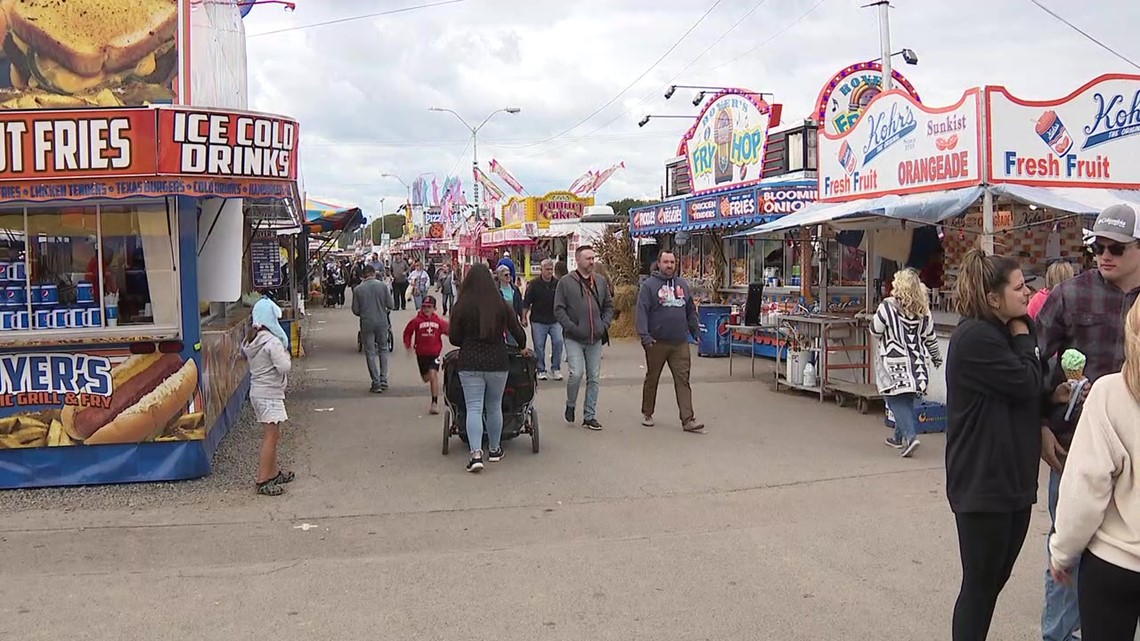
[1012, 176]
[114, 223]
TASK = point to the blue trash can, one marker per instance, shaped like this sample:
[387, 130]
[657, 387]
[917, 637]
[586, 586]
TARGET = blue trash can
[715, 339]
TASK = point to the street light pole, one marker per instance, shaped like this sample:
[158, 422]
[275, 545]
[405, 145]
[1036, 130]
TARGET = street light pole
[885, 40]
[475, 142]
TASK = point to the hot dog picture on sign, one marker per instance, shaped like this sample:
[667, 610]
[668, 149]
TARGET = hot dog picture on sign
[62, 399]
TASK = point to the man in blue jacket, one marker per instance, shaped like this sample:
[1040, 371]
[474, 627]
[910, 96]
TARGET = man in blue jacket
[666, 317]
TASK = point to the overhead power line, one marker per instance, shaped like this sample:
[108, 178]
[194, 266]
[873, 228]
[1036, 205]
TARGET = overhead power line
[1085, 34]
[683, 69]
[365, 16]
[635, 80]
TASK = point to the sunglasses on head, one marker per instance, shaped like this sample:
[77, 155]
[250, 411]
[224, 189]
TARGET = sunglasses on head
[1116, 249]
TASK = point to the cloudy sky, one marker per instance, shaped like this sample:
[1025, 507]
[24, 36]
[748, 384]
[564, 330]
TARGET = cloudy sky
[585, 71]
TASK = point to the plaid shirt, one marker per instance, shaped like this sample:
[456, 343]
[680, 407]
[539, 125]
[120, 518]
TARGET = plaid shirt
[1087, 314]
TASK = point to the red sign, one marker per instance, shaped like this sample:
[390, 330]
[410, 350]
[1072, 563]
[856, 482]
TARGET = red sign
[84, 153]
[226, 144]
[35, 145]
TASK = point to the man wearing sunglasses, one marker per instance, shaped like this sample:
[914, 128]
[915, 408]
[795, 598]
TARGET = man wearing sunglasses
[1085, 313]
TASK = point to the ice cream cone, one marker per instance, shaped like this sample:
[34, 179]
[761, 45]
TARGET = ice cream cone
[1075, 374]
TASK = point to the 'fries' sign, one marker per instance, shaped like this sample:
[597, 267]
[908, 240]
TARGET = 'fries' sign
[226, 144]
[76, 144]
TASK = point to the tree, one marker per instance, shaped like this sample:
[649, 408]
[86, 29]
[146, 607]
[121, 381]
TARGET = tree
[391, 224]
[622, 207]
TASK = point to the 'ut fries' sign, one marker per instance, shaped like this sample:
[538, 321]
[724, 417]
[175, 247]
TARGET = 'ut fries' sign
[74, 144]
[227, 144]
[121, 143]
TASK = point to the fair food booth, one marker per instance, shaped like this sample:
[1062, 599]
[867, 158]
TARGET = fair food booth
[1013, 176]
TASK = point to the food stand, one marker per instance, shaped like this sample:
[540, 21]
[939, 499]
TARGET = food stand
[113, 223]
[536, 228]
[1017, 177]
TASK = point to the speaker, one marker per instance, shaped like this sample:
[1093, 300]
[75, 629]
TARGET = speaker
[752, 303]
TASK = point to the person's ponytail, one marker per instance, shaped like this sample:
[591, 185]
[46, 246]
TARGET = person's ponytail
[979, 275]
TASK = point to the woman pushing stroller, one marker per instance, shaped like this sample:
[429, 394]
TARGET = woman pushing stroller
[480, 320]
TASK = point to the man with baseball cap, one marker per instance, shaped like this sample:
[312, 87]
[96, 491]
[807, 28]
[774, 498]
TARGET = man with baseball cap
[1085, 313]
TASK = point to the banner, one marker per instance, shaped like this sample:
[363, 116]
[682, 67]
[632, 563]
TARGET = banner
[601, 177]
[1090, 138]
[725, 146]
[487, 183]
[582, 185]
[140, 40]
[501, 172]
[899, 146]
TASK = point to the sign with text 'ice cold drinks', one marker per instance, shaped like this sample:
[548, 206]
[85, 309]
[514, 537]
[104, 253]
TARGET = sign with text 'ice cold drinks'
[83, 153]
[725, 147]
[899, 147]
[1090, 138]
[224, 144]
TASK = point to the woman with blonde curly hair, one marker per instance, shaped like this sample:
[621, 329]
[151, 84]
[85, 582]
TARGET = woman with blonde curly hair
[906, 345]
[1057, 273]
[1098, 510]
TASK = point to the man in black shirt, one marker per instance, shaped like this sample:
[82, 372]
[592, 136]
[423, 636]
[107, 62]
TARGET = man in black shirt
[538, 308]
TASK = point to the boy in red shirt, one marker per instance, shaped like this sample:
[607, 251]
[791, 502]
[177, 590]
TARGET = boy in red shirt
[428, 329]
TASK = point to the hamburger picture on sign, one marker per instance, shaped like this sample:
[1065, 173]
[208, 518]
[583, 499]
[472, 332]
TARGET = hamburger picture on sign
[88, 53]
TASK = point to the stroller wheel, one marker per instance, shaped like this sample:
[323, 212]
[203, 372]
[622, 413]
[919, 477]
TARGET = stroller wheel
[446, 429]
[533, 430]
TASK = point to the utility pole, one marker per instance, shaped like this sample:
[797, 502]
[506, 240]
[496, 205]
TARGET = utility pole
[884, 7]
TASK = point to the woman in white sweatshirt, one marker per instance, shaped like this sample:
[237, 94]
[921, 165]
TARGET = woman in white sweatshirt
[269, 367]
[1098, 510]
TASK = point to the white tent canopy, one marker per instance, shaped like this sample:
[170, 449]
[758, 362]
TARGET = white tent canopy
[1071, 199]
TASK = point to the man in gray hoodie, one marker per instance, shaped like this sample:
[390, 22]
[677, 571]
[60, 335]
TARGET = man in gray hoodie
[666, 317]
[400, 270]
[584, 308]
[372, 302]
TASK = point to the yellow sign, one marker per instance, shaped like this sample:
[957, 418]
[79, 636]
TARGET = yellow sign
[560, 205]
[517, 211]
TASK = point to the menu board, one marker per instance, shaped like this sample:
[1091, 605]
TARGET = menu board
[265, 260]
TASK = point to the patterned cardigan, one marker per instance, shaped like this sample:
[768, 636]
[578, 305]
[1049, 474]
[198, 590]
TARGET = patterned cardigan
[906, 346]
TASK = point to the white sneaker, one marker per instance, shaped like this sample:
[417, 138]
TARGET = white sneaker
[910, 448]
[557, 376]
[542, 376]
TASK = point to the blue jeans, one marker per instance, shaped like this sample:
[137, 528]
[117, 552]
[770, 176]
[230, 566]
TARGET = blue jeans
[1061, 616]
[902, 406]
[483, 396]
[584, 359]
[539, 332]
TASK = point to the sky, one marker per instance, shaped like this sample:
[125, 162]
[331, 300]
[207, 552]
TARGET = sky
[584, 72]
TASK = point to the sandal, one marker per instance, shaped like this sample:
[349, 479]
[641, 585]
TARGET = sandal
[282, 478]
[269, 488]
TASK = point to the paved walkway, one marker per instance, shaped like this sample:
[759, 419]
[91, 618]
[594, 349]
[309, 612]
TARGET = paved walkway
[788, 520]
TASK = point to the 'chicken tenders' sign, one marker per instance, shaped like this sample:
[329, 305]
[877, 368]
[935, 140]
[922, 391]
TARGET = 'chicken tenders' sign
[227, 144]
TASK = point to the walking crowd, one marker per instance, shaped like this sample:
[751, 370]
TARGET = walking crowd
[1051, 377]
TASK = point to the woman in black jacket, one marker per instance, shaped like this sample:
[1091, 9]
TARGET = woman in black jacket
[994, 383]
[480, 320]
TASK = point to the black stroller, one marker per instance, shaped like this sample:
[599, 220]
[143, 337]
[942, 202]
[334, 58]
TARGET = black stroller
[391, 338]
[519, 414]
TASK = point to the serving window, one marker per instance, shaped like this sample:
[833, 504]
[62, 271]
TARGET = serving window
[69, 269]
